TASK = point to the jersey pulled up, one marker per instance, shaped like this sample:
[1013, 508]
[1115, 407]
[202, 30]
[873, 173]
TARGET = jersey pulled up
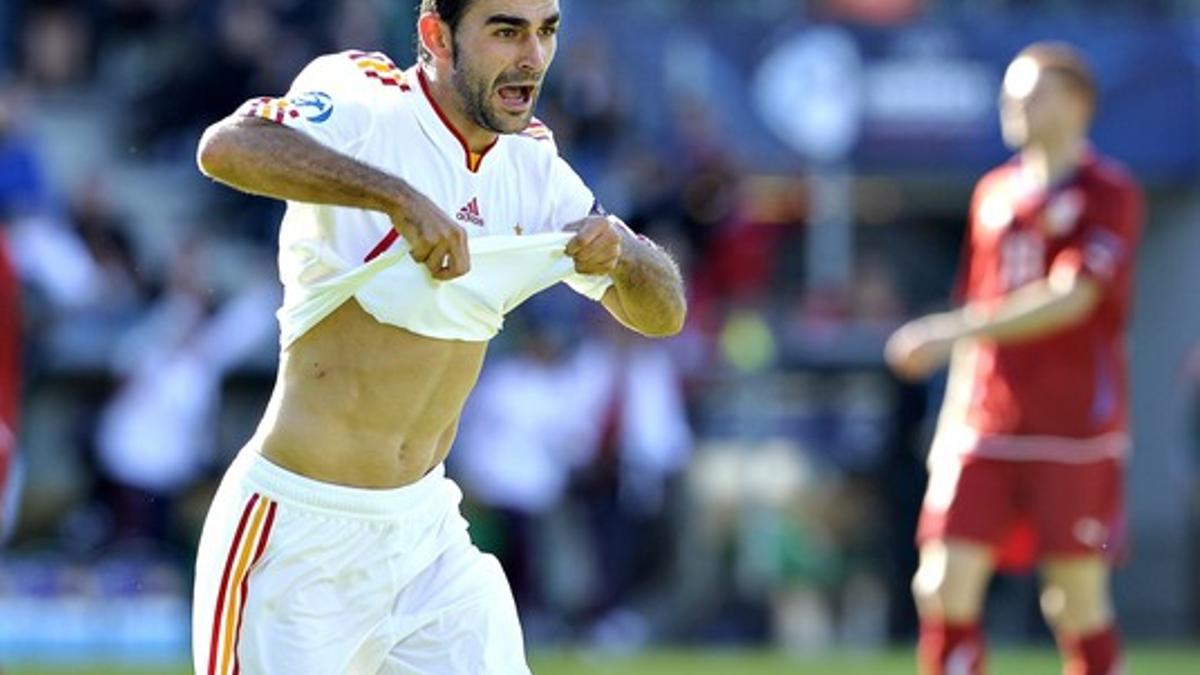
[512, 200]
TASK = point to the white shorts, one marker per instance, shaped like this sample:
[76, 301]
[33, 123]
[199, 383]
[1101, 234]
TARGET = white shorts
[299, 577]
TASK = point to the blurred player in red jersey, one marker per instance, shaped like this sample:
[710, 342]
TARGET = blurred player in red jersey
[10, 385]
[1027, 461]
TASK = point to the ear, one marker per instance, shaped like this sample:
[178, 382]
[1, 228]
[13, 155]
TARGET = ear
[435, 36]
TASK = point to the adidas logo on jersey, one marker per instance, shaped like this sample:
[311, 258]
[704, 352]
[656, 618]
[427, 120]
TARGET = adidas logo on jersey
[470, 213]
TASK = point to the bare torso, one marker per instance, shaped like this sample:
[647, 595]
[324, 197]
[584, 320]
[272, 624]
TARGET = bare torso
[365, 404]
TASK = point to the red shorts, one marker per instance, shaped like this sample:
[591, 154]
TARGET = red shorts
[1026, 510]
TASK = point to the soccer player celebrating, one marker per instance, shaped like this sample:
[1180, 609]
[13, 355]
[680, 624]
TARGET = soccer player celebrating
[423, 204]
[1026, 464]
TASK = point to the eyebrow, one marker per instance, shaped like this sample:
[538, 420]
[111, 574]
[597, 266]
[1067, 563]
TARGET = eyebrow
[519, 22]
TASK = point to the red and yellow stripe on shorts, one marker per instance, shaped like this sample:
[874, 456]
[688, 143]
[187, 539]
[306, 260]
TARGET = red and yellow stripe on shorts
[249, 542]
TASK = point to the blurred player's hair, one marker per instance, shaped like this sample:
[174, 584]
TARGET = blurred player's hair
[450, 11]
[1069, 64]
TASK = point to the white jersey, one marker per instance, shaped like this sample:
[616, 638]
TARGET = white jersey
[512, 200]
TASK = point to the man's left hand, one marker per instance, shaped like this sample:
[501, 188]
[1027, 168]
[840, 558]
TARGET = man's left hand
[596, 247]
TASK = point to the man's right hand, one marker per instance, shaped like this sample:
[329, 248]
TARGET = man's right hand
[434, 240]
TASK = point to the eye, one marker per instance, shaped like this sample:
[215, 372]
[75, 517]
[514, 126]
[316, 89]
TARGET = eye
[506, 33]
[549, 31]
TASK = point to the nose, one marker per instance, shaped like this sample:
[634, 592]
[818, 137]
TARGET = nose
[534, 54]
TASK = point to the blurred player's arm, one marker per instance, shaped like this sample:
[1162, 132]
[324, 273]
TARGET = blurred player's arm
[1035, 310]
[647, 292]
[1097, 261]
[264, 158]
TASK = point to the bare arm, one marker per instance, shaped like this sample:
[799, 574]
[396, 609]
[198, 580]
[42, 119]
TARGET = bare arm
[1032, 311]
[647, 291]
[263, 158]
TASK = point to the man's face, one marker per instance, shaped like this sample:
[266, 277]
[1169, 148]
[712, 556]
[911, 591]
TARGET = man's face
[502, 49]
[1037, 105]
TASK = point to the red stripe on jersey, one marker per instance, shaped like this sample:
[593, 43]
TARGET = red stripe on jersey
[383, 245]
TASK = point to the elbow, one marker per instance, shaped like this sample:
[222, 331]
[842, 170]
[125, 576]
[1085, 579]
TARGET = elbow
[670, 325]
[213, 151]
[675, 325]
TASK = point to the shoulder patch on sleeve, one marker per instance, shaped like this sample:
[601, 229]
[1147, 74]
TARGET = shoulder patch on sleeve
[269, 108]
[314, 106]
[377, 66]
[538, 131]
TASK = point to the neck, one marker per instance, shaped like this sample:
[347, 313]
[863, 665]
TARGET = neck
[442, 91]
[1047, 163]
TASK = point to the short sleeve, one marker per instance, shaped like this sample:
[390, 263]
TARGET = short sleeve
[1104, 247]
[330, 101]
[570, 198]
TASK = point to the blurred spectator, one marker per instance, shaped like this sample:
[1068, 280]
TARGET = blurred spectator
[22, 179]
[753, 247]
[583, 428]
[358, 24]
[524, 432]
[178, 92]
[587, 107]
[641, 440]
[880, 12]
[156, 436]
[46, 251]
[124, 287]
[56, 263]
[56, 47]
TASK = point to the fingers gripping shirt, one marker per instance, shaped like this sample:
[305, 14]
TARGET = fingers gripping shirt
[512, 202]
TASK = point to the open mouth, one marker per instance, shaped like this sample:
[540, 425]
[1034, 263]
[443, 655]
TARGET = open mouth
[516, 98]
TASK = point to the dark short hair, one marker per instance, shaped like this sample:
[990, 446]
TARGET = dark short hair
[450, 11]
[1069, 63]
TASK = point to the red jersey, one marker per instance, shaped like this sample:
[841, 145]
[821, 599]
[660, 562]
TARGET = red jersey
[1061, 396]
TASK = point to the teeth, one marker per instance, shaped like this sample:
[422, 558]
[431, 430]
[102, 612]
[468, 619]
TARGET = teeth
[514, 94]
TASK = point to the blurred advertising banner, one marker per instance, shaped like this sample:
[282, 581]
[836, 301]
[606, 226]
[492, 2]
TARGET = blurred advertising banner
[913, 96]
[923, 97]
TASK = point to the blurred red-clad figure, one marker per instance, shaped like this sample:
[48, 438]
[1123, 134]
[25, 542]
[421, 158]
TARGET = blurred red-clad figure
[10, 377]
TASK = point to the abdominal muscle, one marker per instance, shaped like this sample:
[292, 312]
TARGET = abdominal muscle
[365, 404]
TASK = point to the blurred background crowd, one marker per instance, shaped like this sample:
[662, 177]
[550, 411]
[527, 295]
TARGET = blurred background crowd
[755, 480]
